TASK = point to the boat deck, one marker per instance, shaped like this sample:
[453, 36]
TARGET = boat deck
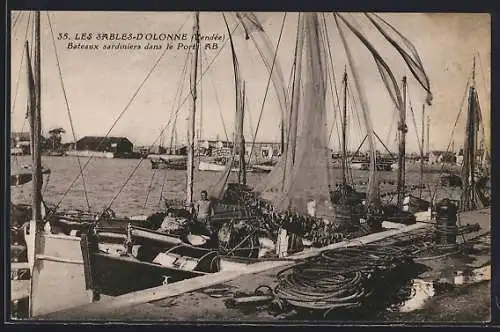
[205, 299]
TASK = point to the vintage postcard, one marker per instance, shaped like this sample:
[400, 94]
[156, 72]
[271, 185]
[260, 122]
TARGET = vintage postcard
[250, 166]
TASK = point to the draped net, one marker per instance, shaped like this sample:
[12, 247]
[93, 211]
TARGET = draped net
[302, 175]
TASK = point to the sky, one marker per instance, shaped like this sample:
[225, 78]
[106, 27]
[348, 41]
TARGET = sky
[102, 84]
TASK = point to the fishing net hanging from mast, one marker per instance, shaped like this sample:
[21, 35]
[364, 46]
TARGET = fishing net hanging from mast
[472, 197]
[301, 176]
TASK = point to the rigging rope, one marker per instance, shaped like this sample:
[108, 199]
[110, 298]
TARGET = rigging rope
[218, 104]
[177, 111]
[355, 110]
[16, 20]
[116, 121]
[177, 96]
[68, 109]
[162, 187]
[20, 65]
[150, 186]
[392, 126]
[267, 87]
[438, 185]
[420, 147]
[332, 78]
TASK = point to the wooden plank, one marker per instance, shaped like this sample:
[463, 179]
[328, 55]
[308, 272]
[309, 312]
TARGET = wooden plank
[189, 285]
[360, 241]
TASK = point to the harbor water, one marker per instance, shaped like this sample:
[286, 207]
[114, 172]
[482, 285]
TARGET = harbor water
[105, 178]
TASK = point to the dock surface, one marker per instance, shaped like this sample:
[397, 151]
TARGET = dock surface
[206, 301]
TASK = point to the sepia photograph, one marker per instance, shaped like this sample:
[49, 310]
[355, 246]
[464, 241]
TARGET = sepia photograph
[270, 167]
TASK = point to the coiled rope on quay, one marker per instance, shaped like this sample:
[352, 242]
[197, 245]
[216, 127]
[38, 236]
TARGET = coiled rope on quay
[338, 279]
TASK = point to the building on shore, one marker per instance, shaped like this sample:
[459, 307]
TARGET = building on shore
[219, 148]
[108, 147]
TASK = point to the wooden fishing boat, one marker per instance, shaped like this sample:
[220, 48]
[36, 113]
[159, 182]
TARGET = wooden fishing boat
[264, 167]
[110, 260]
[141, 258]
[169, 163]
[219, 165]
[364, 165]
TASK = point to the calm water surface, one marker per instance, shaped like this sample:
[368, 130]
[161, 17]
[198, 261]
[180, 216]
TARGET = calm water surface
[105, 177]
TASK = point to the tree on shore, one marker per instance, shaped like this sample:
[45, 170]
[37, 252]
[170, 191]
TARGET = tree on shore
[55, 138]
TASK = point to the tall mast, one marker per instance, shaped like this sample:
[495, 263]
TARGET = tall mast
[242, 177]
[428, 131]
[192, 114]
[37, 162]
[422, 153]
[240, 100]
[35, 106]
[402, 148]
[294, 105]
[282, 138]
[469, 198]
[344, 129]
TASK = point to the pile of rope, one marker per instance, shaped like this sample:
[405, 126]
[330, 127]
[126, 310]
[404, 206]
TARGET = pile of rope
[424, 244]
[339, 279]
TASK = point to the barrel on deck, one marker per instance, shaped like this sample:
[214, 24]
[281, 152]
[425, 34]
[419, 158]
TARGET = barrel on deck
[446, 223]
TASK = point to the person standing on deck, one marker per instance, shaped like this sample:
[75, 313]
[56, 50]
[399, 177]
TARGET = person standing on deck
[204, 212]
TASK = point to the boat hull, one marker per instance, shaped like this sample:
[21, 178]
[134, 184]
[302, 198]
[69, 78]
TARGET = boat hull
[262, 168]
[414, 204]
[89, 153]
[168, 164]
[364, 166]
[213, 167]
[115, 275]
[58, 277]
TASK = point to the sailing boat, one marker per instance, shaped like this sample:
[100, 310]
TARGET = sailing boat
[301, 180]
[474, 174]
[175, 158]
[50, 253]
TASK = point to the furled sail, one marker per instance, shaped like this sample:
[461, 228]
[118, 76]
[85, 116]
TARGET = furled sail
[406, 49]
[385, 72]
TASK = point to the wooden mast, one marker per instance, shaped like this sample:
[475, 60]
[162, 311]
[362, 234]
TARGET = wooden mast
[242, 176]
[344, 130]
[469, 196]
[428, 139]
[422, 153]
[37, 161]
[402, 148]
[192, 114]
[240, 106]
[35, 107]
